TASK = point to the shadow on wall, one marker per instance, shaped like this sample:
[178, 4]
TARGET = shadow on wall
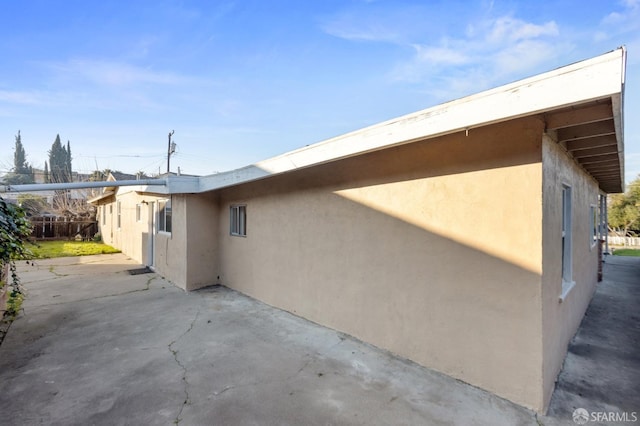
[364, 246]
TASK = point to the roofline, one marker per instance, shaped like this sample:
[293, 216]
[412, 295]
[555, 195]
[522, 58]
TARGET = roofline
[601, 77]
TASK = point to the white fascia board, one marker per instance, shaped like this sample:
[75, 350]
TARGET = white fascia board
[597, 78]
[175, 185]
[102, 196]
[233, 177]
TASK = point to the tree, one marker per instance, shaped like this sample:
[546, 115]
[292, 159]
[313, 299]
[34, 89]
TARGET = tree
[624, 209]
[68, 168]
[46, 173]
[33, 205]
[59, 162]
[99, 175]
[22, 172]
[60, 172]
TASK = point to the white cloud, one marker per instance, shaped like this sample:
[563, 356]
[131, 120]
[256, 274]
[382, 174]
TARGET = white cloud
[507, 29]
[523, 56]
[489, 52]
[111, 73]
[613, 18]
[624, 20]
[440, 55]
[23, 98]
[345, 28]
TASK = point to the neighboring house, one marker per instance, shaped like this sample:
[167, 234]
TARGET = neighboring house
[463, 237]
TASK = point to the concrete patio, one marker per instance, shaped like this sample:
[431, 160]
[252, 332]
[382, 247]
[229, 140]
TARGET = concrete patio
[96, 345]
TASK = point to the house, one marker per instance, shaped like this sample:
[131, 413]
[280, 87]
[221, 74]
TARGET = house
[464, 237]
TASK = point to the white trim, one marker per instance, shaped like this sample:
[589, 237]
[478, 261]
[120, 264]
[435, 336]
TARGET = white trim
[238, 220]
[593, 225]
[567, 233]
[567, 286]
[118, 215]
[597, 78]
[163, 220]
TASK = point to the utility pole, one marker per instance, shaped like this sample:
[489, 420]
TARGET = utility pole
[171, 148]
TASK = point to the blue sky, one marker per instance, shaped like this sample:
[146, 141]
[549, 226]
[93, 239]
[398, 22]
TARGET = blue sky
[241, 81]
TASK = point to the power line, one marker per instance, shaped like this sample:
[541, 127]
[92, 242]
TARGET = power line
[121, 156]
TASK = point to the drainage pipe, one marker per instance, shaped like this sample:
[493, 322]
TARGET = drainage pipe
[34, 187]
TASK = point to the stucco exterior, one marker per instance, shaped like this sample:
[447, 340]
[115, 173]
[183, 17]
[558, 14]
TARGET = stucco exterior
[562, 318]
[435, 260]
[443, 243]
[184, 255]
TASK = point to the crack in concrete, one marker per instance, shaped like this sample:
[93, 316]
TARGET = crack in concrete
[147, 287]
[52, 270]
[224, 390]
[185, 382]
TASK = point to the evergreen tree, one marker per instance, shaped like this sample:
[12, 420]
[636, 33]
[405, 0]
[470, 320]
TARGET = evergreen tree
[68, 169]
[46, 172]
[19, 156]
[59, 162]
[22, 172]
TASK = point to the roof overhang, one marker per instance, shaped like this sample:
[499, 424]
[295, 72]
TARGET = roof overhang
[592, 134]
[103, 196]
[582, 104]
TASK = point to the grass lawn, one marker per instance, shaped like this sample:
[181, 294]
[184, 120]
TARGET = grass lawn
[49, 249]
[627, 252]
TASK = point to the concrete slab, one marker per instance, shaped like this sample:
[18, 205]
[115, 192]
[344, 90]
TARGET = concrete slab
[96, 345]
[601, 372]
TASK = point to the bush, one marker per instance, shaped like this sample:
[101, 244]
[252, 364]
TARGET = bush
[15, 230]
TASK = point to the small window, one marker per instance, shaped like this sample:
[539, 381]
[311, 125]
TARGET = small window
[119, 213]
[164, 215]
[138, 212]
[239, 221]
[104, 215]
[593, 214]
[567, 243]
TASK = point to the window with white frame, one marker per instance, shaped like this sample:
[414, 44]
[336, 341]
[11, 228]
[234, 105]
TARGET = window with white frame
[567, 243]
[119, 214]
[602, 217]
[138, 212]
[238, 221]
[593, 215]
[164, 215]
[104, 214]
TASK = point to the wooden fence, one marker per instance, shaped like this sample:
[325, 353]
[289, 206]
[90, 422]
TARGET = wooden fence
[62, 228]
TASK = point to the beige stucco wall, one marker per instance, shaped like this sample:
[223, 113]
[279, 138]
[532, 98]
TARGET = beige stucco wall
[130, 237]
[431, 250]
[187, 256]
[561, 320]
[170, 248]
[202, 217]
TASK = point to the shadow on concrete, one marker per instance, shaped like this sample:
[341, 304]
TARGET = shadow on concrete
[601, 372]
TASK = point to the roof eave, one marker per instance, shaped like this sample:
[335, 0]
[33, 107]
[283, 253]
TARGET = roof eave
[596, 78]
